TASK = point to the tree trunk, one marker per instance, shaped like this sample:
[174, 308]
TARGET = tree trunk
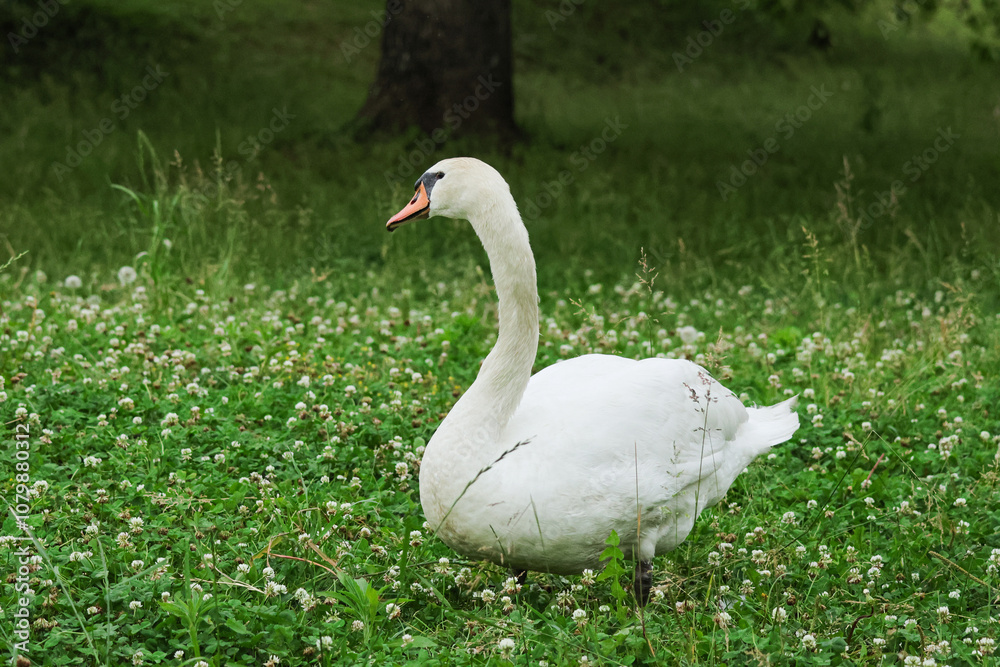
[446, 68]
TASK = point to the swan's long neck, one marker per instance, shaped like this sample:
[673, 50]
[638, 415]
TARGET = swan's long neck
[470, 439]
[506, 370]
[492, 399]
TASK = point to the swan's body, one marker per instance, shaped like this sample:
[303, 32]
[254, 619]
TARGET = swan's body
[535, 472]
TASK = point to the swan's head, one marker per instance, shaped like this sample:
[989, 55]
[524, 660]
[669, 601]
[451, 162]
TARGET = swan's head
[458, 187]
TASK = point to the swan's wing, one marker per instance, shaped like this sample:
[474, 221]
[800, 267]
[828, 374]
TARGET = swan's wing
[661, 409]
[610, 439]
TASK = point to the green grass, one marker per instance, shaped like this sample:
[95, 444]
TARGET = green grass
[272, 428]
[259, 396]
[325, 194]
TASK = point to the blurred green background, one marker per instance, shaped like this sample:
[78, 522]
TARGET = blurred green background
[317, 194]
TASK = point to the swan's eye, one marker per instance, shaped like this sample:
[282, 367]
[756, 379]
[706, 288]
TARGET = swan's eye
[439, 175]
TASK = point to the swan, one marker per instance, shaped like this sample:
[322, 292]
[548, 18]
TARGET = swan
[534, 472]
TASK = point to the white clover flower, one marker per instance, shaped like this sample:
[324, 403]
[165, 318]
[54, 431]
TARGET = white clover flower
[134, 605]
[73, 282]
[779, 615]
[809, 641]
[272, 589]
[511, 585]
[688, 335]
[127, 275]
[358, 626]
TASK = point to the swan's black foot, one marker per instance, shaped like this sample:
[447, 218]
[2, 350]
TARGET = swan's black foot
[643, 583]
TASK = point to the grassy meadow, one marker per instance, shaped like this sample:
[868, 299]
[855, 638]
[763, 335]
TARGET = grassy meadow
[218, 372]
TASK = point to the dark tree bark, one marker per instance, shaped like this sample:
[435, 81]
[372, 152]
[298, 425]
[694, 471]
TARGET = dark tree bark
[445, 66]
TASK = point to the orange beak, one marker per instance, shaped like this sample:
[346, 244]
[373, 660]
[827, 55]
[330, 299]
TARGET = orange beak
[419, 207]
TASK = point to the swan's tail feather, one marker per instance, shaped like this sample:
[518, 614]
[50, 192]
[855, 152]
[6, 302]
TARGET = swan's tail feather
[771, 425]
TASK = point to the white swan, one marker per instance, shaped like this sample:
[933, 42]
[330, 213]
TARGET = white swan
[535, 472]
